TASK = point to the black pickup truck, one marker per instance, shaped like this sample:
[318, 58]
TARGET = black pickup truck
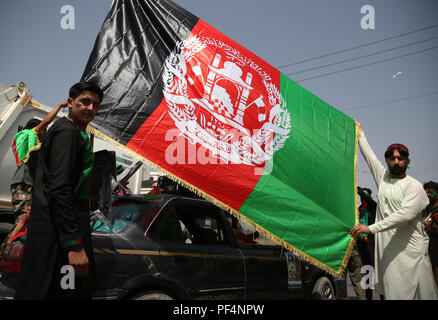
[158, 247]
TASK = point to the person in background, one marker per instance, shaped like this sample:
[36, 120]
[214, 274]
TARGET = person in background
[155, 189]
[430, 218]
[354, 270]
[25, 145]
[365, 243]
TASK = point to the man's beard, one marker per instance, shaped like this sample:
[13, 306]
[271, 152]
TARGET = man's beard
[397, 170]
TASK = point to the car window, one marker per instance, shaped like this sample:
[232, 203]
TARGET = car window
[124, 213]
[189, 225]
[246, 234]
[170, 229]
[207, 231]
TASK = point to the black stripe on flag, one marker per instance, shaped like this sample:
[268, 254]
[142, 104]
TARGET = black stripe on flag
[127, 60]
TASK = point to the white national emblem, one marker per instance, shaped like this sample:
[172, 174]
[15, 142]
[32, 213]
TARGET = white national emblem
[220, 117]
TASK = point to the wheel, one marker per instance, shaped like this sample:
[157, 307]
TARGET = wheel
[323, 290]
[151, 295]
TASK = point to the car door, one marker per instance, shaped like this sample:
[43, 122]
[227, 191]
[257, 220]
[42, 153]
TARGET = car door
[271, 272]
[195, 251]
[121, 252]
[266, 273]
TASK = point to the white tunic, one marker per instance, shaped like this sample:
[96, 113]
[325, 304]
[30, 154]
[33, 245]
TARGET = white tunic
[402, 265]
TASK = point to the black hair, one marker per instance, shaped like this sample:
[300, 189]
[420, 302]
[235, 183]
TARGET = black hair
[431, 185]
[82, 86]
[32, 123]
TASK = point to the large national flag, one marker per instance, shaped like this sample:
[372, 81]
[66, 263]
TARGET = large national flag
[212, 115]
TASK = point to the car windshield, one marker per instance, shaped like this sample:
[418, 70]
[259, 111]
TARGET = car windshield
[124, 213]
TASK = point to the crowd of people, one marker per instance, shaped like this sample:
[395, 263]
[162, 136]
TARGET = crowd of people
[397, 235]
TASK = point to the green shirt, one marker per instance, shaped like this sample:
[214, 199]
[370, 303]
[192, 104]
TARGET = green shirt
[88, 159]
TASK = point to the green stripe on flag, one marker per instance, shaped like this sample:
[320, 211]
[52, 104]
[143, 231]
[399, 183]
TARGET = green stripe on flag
[313, 179]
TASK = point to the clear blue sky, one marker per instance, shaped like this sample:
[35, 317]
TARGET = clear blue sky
[48, 59]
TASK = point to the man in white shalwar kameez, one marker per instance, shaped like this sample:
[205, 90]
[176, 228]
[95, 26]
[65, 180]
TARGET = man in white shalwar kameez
[402, 265]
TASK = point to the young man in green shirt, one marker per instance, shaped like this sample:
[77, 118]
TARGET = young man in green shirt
[59, 224]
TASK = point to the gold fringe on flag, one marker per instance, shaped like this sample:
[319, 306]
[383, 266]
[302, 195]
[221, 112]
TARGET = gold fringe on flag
[353, 239]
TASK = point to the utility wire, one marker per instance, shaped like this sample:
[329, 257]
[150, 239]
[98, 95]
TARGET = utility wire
[392, 101]
[356, 47]
[425, 168]
[366, 65]
[360, 57]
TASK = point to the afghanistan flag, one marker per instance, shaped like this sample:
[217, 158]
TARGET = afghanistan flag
[23, 144]
[228, 125]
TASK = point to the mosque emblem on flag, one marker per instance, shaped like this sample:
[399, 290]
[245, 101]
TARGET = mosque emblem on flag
[229, 105]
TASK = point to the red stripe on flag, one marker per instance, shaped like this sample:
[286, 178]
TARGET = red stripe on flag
[14, 150]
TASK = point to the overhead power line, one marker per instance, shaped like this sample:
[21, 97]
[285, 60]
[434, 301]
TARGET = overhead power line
[368, 64]
[357, 47]
[429, 167]
[361, 57]
[391, 101]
